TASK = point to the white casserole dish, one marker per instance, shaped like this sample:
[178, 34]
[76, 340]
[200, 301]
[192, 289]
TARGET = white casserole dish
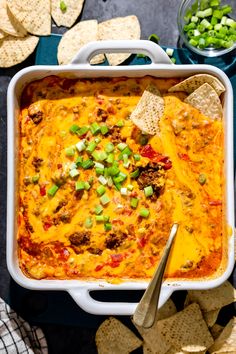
[161, 66]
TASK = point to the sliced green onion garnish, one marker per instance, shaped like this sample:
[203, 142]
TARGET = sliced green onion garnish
[136, 157]
[74, 128]
[130, 187]
[104, 199]
[52, 191]
[86, 164]
[91, 147]
[126, 161]
[70, 151]
[99, 170]
[79, 185]
[134, 203]
[121, 146]
[86, 186]
[148, 191]
[120, 123]
[144, 213]
[113, 170]
[102, 180]
[74, 173]
[78, 161]
[98, 209]
[80, 146]
[104, 129]
[99, 165]
[83, 130]
[124, 191]
[110, 158]
[99, 218]
[107, 226]
[101, 190]
[134, 174]
[120, 178]
[170, 52]
[35, 178]
[99, 155]
[95, 128]
[88, 223]
[109, 147]
[126, 151]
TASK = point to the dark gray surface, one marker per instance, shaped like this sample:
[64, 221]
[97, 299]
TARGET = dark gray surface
[156, 16]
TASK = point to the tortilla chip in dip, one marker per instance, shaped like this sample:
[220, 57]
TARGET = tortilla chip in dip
[194, 82]
[226, 342]
[68, 14]
[148, 111]
[34, 15]
[119, 28]
[206, 100]
[82, 33]
[14, 50]
[8, 22]
[114, 337]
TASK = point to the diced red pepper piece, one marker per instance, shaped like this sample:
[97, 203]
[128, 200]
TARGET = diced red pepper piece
[117, 257]
[148, 151]
[215, 202]
[64, 254]
[42, 190]
[47, 225]
[142, 242]
[184, 157]
[59, 165]
[99, 267]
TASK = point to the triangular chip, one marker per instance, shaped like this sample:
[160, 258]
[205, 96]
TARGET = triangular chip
[194, 349]
[82, 33]
[14, 50]
[68, 14]
[119, 28]
[148, 111]
[216, 330]
[8, 22]
[206, 100]
[213, 299]
[193, 82]
[211, 316]
[185, 328]
[34, 15]
[114, 337]
[226, 342]
[2, 34]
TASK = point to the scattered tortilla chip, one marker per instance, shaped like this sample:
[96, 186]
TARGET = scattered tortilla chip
[196, 349]
[82, 33]
[148, 111]
[34, 15]
[146, 349]
[216, 330]
[226, 342]
[206, 100]
[14, 50]
[68, 16]
[8, 22]
[192, 83]
[210, 317]
[2, 34]
[119, 28]
[185, 328]
[167, 310]
[213, 299]
[114, 337]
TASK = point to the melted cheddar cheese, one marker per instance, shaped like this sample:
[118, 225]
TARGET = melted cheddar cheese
[59, 234]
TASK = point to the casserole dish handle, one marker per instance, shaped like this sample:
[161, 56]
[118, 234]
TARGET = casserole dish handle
[151, 49]
[83, 298]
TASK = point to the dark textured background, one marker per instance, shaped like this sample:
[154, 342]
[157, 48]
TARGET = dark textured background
[155, 16]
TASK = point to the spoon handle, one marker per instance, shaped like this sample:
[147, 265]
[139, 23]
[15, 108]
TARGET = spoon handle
[145, 312]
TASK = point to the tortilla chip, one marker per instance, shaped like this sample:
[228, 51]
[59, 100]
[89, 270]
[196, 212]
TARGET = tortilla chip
[148, 111]
[119, 28]
[167, 310]
[146, 349]
[14, 50]
[8, 22]
[213, 299]
[226, 342]
[192, 83]
[210, 317]
[34, 15]
[68, 17]
[216, 330]
[2, 34]
[185, 328]
[196, 349]
[82, 33]
[206, 100]
[114, 337]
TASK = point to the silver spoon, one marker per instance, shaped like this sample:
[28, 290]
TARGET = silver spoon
[145, 312]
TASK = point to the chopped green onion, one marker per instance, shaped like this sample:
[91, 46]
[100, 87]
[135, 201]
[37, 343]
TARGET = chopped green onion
[74, 128]
[88, 223]
[70, 151]
[99, 155]
[74, 173]
[144, 213]
[80, 146]
[218, 14]
[109, 147]
[170, 52]
[99, 171]
[126, 151]
[206, 24]
[86, 164]
[231, 23]
[130, 187]
[202, 178]
[117, 186]
[101, 190]
[148, 191]
[194, 19]
[79, 186]
[99, 218]
[120, 123]
[95, 128]
[120, 178]
[35, 178]
[126, 161]
[63, 6]
[102, 180]
[98, 209]
[124, 191]
[134, 174]
[110, 158]
[173, 60]
[97, 140]
[214, 21]
[136, 157]
[98, 164]
[107, 226]
[121, 146]
[113, 170]
[223, 21]
[83, 130]
[91, 147]
[109, 182]
[104, 129]
[154, 38]
[52, 191]
[134, 203]
[226, 9]
[87, 186]
[104, 199]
